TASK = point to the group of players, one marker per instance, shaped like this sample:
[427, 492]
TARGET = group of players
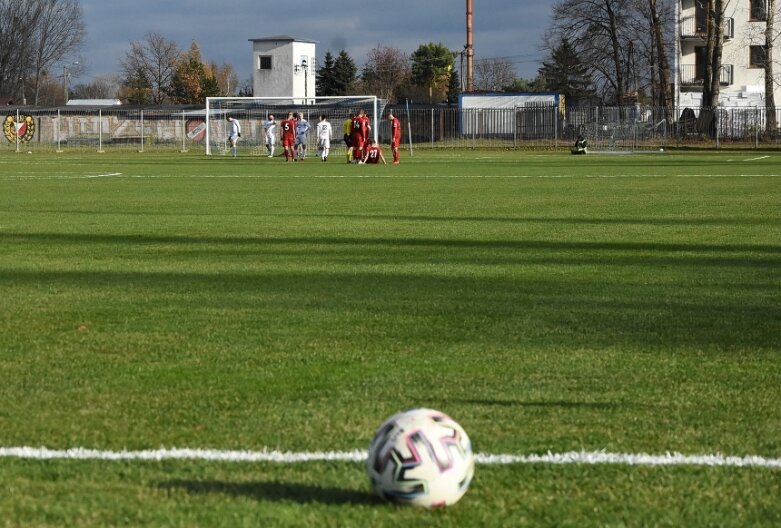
[295, 129]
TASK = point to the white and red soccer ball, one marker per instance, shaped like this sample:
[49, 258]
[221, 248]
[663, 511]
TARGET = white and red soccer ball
[421, 457]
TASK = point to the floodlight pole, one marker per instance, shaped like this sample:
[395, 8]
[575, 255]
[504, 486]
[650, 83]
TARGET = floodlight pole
[469, 48]
[306, 81]
[305, 68]
[65, 76]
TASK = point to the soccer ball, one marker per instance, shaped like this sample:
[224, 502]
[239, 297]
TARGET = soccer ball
[421, 457]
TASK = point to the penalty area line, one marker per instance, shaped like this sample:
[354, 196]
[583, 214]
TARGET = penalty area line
[286, 457]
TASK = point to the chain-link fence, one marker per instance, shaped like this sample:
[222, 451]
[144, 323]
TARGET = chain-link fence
[99, 129]
[634, 127]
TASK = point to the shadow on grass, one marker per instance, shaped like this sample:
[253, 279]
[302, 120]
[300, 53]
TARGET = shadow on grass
[520, 220]
[392, 243]
[273, 491]
[705, 294]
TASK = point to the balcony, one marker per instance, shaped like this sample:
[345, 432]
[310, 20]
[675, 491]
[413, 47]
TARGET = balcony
[693, 28]
[693, 76]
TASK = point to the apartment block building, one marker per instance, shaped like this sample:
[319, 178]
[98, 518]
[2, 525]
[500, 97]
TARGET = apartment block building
[742, 71]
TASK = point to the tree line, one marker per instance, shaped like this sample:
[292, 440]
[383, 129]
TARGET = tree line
[155, 71]
[596, 51]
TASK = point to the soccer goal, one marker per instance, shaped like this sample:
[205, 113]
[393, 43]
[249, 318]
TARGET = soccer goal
[253, 112]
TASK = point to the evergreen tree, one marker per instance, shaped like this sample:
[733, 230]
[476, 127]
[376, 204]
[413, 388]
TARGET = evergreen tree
[344, 74]
[432, 65]
[325, 76]
[565, 73]
[521, 85]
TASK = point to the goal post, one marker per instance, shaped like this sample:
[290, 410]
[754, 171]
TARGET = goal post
[252, 112]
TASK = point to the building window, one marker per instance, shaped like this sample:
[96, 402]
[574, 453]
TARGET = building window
[758, 12]
[756, 56]
[264, 62]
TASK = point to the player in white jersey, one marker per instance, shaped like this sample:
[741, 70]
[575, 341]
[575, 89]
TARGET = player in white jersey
[234, 134]
[324, 133]
[302, 130]
[270, 125]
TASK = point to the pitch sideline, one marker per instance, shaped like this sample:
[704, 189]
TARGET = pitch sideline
[284, 457]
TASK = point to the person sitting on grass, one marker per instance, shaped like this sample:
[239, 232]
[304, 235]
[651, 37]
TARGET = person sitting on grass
[581, 146]
[372, 153]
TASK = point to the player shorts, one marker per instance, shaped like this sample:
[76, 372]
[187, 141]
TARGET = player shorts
[271, 140]
[347, 141]
[301, 140]
[356, 142]
[288, 141]
[324, 143]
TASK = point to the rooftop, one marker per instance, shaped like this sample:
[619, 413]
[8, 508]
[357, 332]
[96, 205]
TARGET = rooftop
[285, 38]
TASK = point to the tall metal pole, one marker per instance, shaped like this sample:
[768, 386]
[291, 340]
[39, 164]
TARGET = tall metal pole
[65, 82]
[469, 48]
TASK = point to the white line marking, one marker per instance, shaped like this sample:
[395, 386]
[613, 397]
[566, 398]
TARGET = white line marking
[100, 175]
[759, 158]
[283, 457]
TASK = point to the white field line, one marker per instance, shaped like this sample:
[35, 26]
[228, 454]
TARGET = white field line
[282, 457]
[756, 159]
[88, 176]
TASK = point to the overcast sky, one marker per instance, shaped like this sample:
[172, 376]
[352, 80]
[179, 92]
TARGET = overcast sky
[502, 28]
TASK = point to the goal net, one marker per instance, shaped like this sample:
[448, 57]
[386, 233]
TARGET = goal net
[253, 112]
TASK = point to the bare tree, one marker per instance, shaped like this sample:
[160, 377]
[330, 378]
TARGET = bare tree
[770, 99]
[227, 78]
[148, 68]
[15, 45]
[386, 70]
[659, 52]
[34, 36]
[762, 40]
[102, 87]
[60, 32]
[714, 47]
[599, 31]
[493, 74]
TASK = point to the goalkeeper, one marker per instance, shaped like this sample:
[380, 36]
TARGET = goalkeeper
[234, 134]
[270, 125]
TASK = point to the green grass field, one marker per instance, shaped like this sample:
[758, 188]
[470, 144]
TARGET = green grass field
[626, 304]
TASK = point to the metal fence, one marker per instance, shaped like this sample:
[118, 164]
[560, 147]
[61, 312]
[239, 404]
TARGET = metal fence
[633, 127]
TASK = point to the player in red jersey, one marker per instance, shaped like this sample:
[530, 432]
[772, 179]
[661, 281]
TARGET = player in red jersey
[373, 153]
[360, 134]
[288, 128]
[395, 136]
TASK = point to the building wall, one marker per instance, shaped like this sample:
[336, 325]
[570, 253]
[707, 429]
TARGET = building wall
[285, 78]
[303, 78]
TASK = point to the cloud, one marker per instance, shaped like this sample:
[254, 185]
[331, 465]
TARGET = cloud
[503, 28]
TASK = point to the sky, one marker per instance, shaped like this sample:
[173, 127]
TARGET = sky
[509, 29]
